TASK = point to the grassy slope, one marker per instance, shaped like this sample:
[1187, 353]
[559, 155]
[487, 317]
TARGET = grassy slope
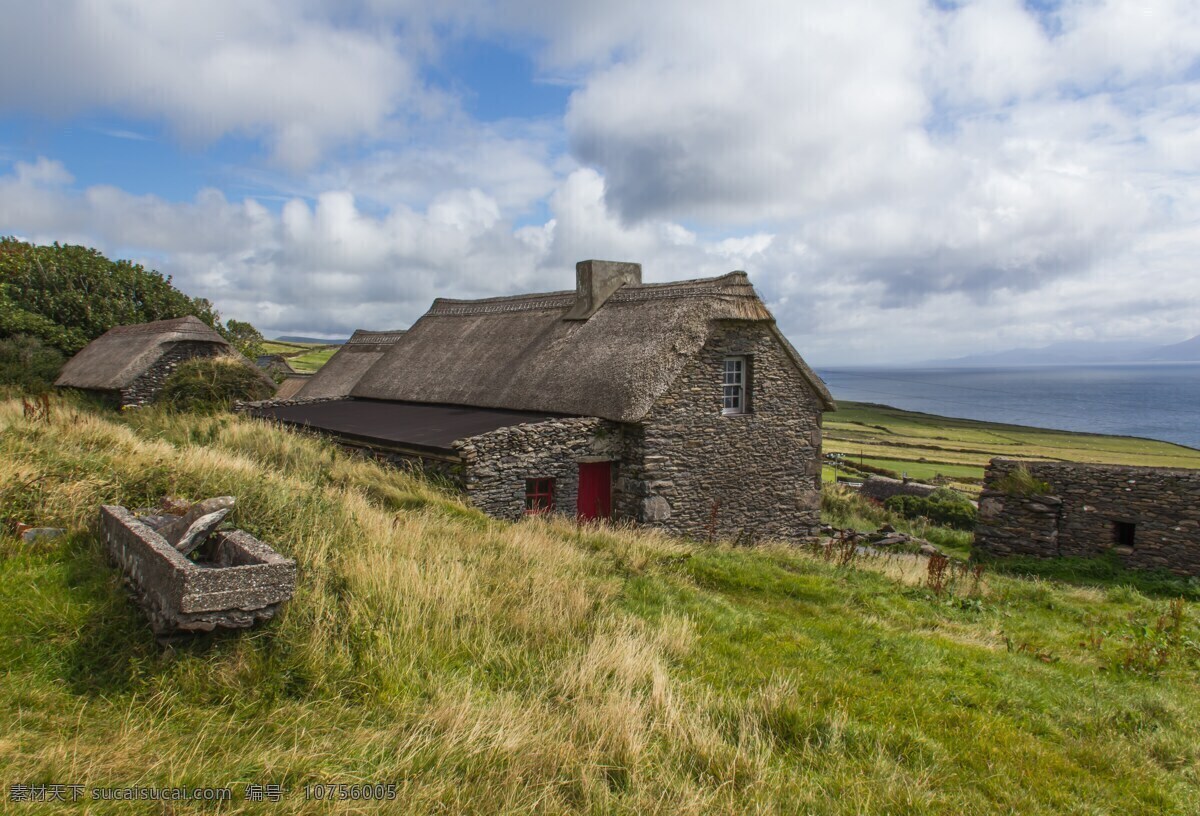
[919, 443]
[312, 361]
[286, 347]
[303, 357]
[535, 667]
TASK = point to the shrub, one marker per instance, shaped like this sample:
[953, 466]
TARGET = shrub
[29, 364]
[213, 383]
[951, 511]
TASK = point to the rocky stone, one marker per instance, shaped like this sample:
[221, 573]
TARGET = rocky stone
[174, 531]
[200, 530]
[32, 534]
[156, 521]
[655, 508]
[929, 550]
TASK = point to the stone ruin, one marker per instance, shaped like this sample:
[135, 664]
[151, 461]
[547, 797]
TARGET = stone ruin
[882, 488]
[234, 582]
[1149, 518]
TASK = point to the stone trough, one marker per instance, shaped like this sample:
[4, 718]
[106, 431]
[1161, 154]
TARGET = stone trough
[236, 581]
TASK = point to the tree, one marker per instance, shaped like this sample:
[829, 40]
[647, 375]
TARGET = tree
[244, 337]
[28, 363]
[66, 296]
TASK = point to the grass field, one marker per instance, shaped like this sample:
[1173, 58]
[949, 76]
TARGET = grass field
[311, 361]
[540, 667]
[285, 348]
[303, 357]
[925, 446]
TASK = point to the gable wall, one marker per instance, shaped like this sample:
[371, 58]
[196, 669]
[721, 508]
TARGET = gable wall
[145, 388]
[743, 477]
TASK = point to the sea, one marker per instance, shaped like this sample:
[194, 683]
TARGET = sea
[1155, 401]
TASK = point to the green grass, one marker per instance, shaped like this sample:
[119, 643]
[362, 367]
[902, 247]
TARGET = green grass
[288, 348]
[312, 361]
[924, 445]
[920, 470]
[538, 667]
[306, 358]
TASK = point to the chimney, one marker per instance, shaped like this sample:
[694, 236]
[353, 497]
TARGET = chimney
[595, 282]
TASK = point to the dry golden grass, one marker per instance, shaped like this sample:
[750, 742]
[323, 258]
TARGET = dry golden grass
[540, 667]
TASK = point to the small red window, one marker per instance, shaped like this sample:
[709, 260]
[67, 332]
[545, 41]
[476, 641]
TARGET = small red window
[539, 495]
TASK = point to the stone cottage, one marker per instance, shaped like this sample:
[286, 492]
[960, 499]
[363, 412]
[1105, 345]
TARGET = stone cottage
[678, 405]
[130, 364]
[347, 366]
[1149, 518]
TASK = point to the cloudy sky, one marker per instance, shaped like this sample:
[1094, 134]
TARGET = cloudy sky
[901, 179]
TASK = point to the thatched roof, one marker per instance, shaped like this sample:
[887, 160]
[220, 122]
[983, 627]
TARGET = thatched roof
[342, 371]
[289, 388]
[119, 356]
[518, 353]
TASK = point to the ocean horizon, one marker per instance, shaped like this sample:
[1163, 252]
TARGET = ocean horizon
[1150, 400]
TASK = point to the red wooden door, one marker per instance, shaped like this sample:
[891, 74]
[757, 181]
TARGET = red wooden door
[595, 490]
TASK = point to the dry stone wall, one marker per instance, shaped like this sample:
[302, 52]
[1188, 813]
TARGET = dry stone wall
[742, 477]
[881, 488]
[1148, 517]
[496, 464]
[145, 388]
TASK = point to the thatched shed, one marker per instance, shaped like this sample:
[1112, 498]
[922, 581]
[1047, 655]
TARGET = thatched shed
[347, 366]
[129, 364]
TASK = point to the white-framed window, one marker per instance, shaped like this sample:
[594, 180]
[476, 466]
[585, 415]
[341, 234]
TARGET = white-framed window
[735, 391]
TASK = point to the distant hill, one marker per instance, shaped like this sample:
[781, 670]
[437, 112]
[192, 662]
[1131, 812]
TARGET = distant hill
[292, 338]
[1078, 352]
[1187, 351]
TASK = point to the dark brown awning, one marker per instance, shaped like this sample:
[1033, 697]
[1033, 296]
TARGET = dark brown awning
[398, 424]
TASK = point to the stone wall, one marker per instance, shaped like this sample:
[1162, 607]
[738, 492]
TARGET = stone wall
[881, 488]
[251, 407]
[145, 388]
[496, 464]
[696, 471]
[1080, 514]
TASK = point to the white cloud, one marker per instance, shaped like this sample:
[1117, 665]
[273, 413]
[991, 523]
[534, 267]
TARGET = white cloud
[902, 180]
[274, 69]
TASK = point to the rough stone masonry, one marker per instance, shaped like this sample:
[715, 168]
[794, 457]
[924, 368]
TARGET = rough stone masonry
[1148, 517]
[241, 582]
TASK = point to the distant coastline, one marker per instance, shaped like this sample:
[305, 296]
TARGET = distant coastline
[1155, 401]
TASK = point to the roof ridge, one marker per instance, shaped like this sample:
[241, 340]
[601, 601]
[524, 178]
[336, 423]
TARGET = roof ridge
[180, 325]
[374, 338]
[629, 293]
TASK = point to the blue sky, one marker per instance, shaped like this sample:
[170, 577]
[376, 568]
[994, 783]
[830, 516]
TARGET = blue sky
[902, 181]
